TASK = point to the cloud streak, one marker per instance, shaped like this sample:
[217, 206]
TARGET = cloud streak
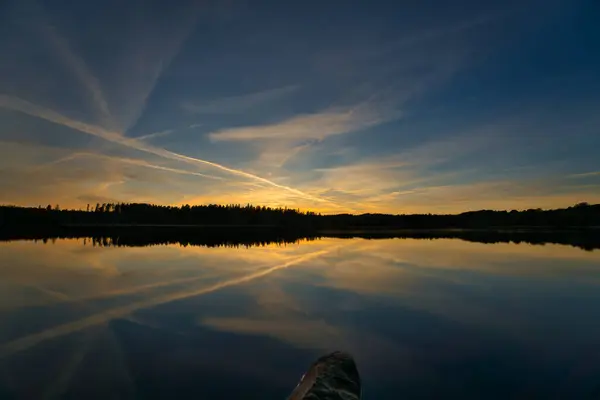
[133, 161]
[148, 54]
[16, 104]
[585, 174]
[366, 106]
[239, 104]
[81, 71]
[153, 135]
[316, 126]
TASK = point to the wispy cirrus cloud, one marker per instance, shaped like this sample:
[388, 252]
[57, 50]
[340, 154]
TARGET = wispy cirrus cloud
[485, 194]
[586, 174]
[440, 175]
[155, 134]
[399, 101]
[132, 161]
[82, 73]
[384, 178]
[140, 56]
[310, 126]
[240, 103]
[63, 184]
[368, 103]
[49, 35]
[38, 174]
[146, 53]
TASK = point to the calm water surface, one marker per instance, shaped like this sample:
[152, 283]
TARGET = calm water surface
[423, 318]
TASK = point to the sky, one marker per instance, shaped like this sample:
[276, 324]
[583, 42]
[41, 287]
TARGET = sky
[379, 106]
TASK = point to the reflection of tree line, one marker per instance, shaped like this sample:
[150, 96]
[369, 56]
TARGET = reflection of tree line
[144, 224]
[138, 237]
[151, 236]
[584, 239]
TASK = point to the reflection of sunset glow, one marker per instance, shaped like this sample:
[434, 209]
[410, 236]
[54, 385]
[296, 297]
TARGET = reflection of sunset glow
[119, 312]
[344, 292]
[421, 275]
[70, 271]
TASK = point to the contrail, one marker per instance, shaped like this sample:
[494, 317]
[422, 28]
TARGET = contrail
[81, 72]
[132, 161]
[77, 66]
[155, 134]
[28, 341]
[91, 83]
[17, 104]
[142, 68]
[168, 169]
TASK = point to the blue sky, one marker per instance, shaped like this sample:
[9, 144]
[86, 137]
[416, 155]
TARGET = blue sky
[406, 106]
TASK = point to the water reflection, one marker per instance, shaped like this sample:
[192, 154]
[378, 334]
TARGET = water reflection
[423, 318]
[248, 236]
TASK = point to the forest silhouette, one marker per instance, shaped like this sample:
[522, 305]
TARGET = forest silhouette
[580, 215]
[137, 224]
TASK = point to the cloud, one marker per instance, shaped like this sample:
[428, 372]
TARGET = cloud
[415, 190]
[81, 72]
[49, 35]
[37, 174]
[371, 100]
[278, 160]
[316, 126]
[437, 33]
[239, 104]
[362, 179]
[142, 44]
[155, 134]
[498, 195]
[279, 155]
[433, 177]
[140, 163]
[62, 186]
[149, 44]
[585, 174]
[16, 104]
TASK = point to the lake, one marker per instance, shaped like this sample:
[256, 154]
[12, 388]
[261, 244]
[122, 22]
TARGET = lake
[440, 318]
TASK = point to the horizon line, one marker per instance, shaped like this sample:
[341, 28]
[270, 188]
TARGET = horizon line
[297, 209]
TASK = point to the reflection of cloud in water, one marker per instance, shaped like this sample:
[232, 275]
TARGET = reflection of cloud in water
[397, 305]
[496, 286]
[301, 333]
[34, 274]
[451, 279]
[468, 283]
[118, 312]
[389, 263]
[71, 366]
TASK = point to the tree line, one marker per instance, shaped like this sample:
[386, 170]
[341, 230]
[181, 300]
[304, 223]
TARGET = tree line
[582, 215]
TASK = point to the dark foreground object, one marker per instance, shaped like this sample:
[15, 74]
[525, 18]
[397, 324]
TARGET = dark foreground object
[331, 377]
